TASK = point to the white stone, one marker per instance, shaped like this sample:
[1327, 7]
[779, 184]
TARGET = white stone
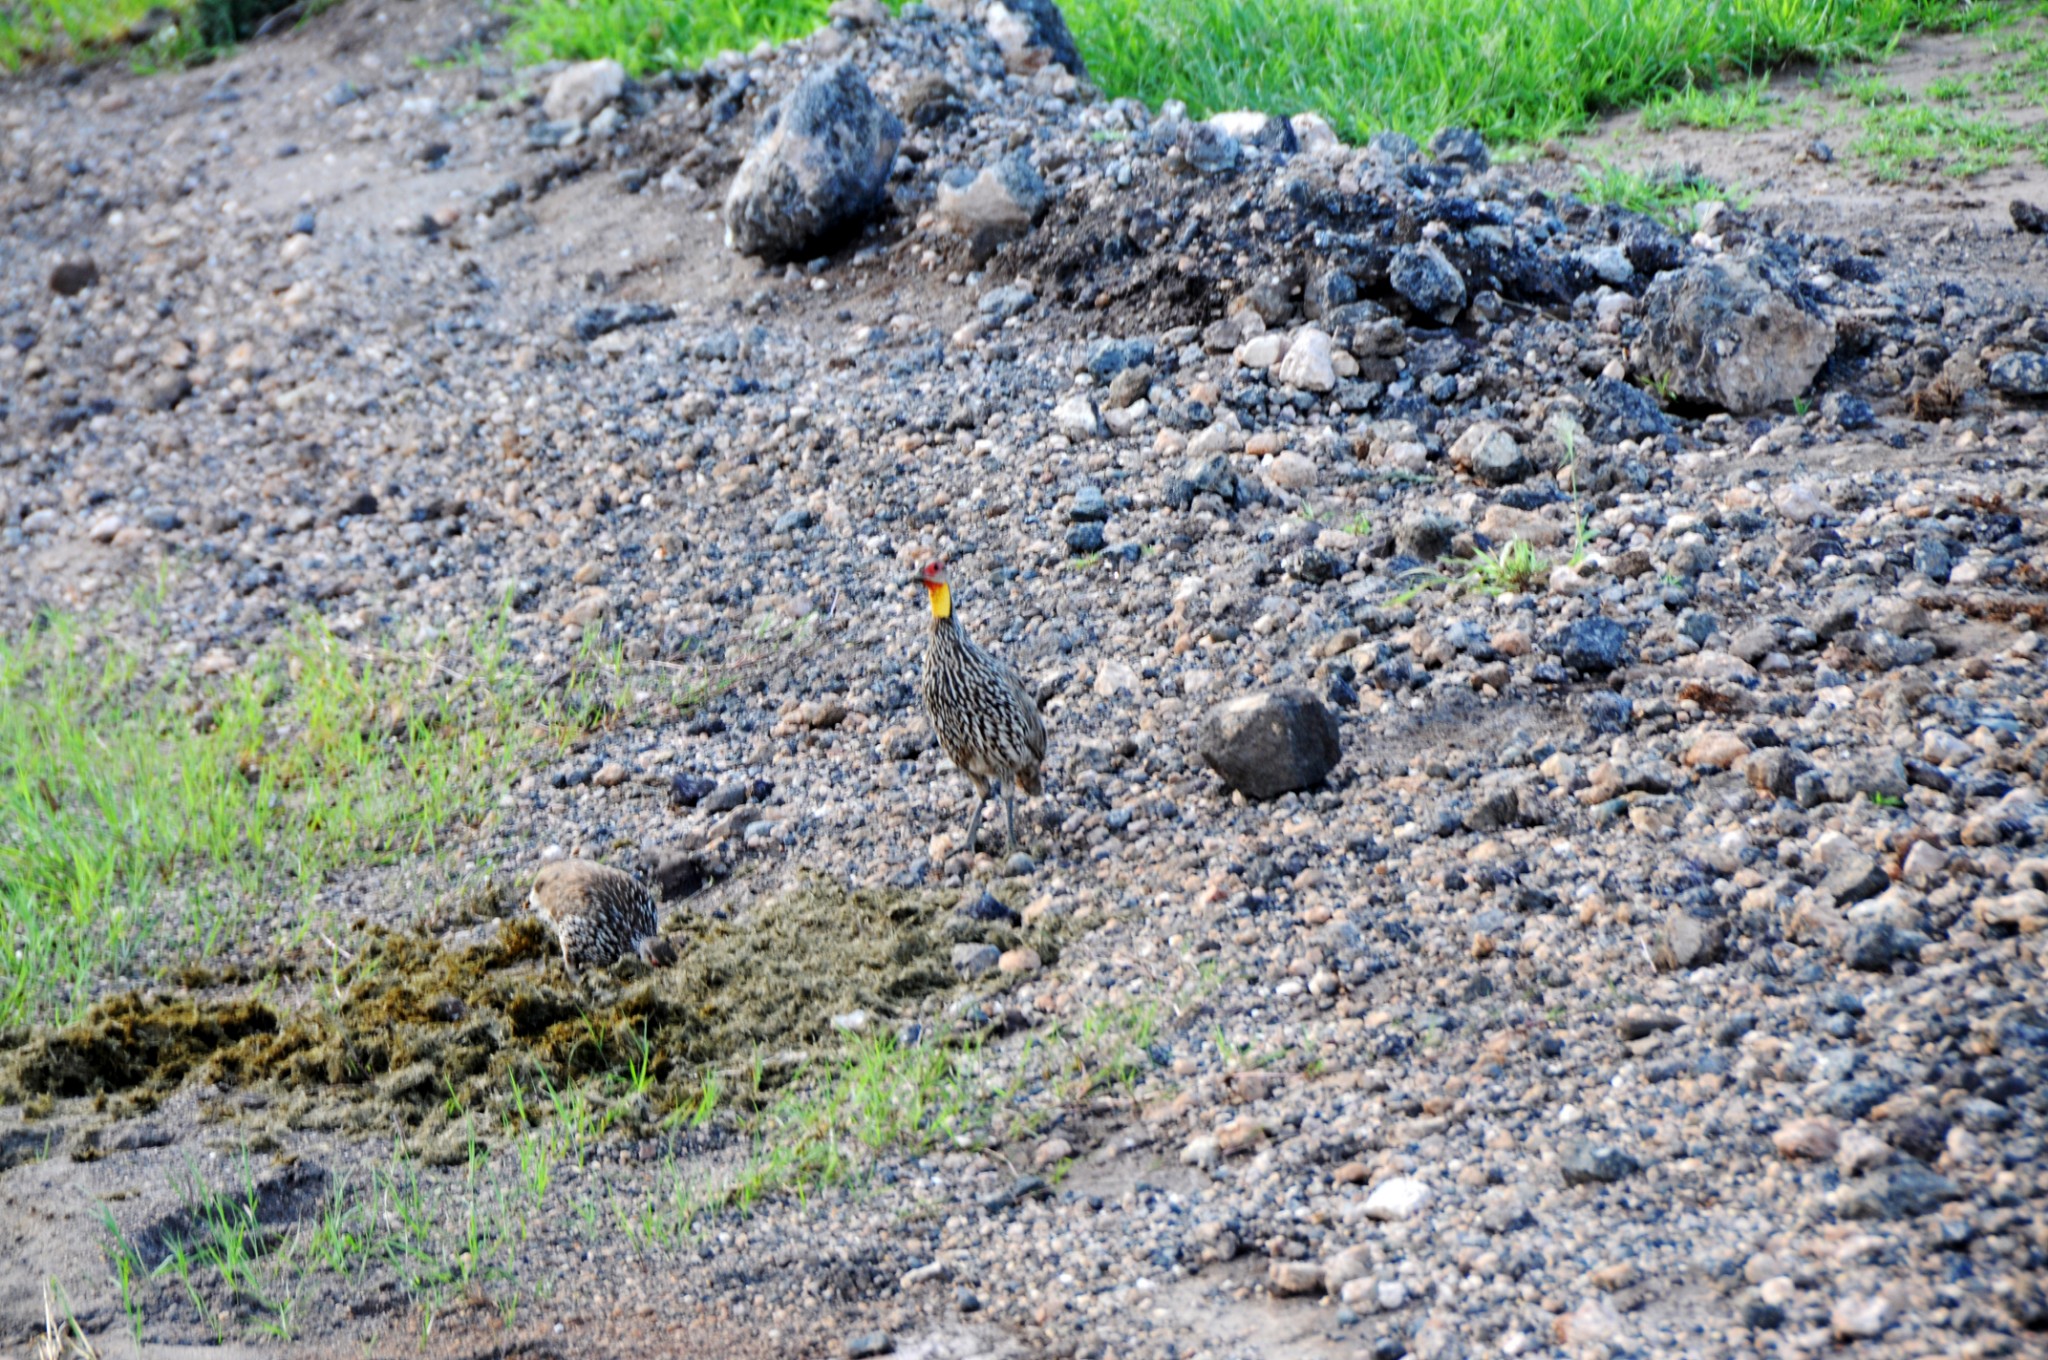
[1315, 134]
[1924, 864]
[1362, 1294]
[578, 93]
[1591, 1322]
[1243, 124]
[1262, 351]
[1077, 418]
[1609, 264]
[1798, 501]
[1860, 1150]
[1210, 441]
[1308, 364]
[1564, 581]
[1290, 470]
[1859, 1317]
[1115, 677]
[1398, 1199]
[999, 201]
[1942, 747]
[1342, 1269]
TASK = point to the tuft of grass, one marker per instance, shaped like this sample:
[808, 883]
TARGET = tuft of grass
[1871, 92]
[145, 812]
[654, 35]
[827, 1125]
[34, 29]
[1739, 107]
[1513, 568]
[1517, 70]
[1669, 195]
[85, 30]
[1902, 140]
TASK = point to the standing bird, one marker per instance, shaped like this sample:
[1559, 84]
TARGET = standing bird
[986, 720]
[598, 914]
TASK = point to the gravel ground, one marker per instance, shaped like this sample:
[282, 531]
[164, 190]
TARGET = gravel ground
[1658, 973]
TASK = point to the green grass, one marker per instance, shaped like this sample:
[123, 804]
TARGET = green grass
[33, 30]
[1871, 92]
[1668, 195]
[1901, 140]
[143, 814]
[1744, 106]
[655, 35]
[827, 1131]
[1518, 70]
[461, 1235]
[1514, 568]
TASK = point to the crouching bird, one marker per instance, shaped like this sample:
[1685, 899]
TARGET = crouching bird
[599, 915]
[985, 719]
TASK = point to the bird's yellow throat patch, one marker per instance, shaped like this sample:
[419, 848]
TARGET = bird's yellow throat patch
[942, 601]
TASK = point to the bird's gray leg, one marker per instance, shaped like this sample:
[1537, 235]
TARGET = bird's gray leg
[570, 968]
[974, 822]
[1010, 806]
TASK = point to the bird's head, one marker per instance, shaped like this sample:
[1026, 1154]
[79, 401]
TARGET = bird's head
[932, 576]
[546, 891]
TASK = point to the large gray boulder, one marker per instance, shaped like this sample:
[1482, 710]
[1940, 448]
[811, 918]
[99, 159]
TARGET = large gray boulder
[818, 169]
[1733, 334]
[1270, 742]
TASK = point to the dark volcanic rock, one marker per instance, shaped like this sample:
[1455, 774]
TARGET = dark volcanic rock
[597, 321]
[72, 277]
[1501, 462]
[1428, 281]
[1901, 1190]
[1460, 146]
[818, 169]
[1271, 742]
[1595, 645]
[1624, 412]
[1597, 1164]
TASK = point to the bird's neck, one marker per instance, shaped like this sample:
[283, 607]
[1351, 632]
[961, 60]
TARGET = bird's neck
[942, 603]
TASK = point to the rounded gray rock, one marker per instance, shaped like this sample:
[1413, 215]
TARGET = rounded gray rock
[818, 169]
[1271, 742]
[1429, 282]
